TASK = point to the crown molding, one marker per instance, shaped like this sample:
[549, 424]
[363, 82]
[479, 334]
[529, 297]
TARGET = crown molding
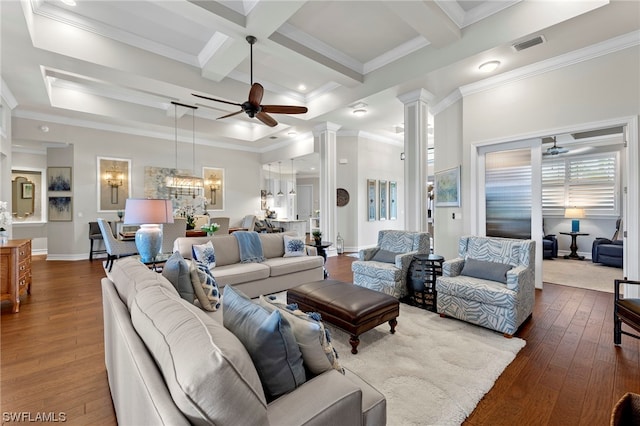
[7, 95]
[451, 99]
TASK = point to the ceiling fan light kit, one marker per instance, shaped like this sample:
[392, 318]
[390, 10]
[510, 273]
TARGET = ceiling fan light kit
[253, 107]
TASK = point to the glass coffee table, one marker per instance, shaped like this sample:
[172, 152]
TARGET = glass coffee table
[157, 263]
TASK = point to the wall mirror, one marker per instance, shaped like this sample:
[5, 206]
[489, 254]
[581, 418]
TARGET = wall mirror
[23, 197]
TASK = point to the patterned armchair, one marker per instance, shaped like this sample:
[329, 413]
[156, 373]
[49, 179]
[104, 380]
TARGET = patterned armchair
[471, 294]
[384, 268]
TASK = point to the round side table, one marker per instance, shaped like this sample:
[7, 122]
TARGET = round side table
[421, 280]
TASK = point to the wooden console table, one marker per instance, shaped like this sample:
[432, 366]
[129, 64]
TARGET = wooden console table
[15, 271]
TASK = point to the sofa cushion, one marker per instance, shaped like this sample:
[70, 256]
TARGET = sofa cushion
[273, 244]
[240, 273]
[129, 276]
[176, 270]
[288, 265]
[200, 360]
[294, 246]
[204, 253]
[493, 271]
[385, 256]
[269, 340]
[313, 339]
[204, 286]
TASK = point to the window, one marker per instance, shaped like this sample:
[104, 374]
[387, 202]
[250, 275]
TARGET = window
[588, 181]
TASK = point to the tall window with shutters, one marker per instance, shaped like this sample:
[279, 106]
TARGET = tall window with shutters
[588, 181]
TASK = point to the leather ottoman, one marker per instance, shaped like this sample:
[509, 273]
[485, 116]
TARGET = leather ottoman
[351, 308]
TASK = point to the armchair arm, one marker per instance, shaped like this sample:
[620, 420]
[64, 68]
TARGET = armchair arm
[617, 284]
[453, 267]
[517, 276]
[601, 240]
[403, 261]
[367, 254]
[329, 398]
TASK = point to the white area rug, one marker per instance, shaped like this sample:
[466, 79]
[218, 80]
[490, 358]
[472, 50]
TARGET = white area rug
[433, 371]
[583, 274]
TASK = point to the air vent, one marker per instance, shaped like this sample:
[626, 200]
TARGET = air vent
[528, 43]
[599, 132]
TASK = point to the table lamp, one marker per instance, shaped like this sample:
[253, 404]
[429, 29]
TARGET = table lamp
[575, 214]
[149, 214]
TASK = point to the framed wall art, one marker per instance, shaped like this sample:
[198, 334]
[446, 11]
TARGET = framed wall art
[27, 190]
[371, 200]
[59, 179]
[383, 190]
[393, 200]
[60, 209]
[114, 183]
[447, 190]
[214, 187]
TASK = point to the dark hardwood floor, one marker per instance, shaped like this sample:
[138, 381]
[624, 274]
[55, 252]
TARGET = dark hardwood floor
[569, 373]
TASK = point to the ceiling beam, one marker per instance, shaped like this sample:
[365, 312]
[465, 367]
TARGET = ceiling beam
[428, 19]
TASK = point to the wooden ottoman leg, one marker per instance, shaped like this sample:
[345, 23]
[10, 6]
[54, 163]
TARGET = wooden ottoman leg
[393, 322]
[354, 343]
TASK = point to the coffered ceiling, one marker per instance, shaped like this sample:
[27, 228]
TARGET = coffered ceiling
[118, 64]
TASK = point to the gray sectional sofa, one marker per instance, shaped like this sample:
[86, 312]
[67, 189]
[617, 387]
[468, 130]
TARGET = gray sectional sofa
[171, 363]
[276, 273]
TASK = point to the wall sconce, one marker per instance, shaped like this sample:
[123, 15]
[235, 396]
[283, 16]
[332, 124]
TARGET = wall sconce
[214, 186]
[114, 179]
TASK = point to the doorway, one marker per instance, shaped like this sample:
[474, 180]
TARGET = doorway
[305, 203]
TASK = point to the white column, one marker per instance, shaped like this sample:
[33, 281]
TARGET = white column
[416, 115]
[324, 138]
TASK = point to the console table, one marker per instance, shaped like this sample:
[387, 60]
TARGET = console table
[574, 245]
[15, 271]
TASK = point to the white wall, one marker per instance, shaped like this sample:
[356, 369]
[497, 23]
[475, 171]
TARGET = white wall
[70, 241]
[604, 88]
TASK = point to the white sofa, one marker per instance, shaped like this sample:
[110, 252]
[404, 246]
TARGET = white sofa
[276, 273]
[170, 363]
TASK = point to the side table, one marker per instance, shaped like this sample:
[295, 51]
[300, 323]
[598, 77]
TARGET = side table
[321, 246]
[157, 263]
[574, 245]
[421, 280]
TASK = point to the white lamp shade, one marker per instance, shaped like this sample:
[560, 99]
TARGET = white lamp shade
[138, 211]
[574, 213]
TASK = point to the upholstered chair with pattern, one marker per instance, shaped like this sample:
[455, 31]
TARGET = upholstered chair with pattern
[384, 268]
[491, 283]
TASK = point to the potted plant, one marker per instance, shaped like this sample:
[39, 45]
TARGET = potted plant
[210, 229]
[317, 237]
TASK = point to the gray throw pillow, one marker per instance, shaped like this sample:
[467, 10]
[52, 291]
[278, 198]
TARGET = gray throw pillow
[176, 270]
[269, 340]
[493, 271]
[385, 256]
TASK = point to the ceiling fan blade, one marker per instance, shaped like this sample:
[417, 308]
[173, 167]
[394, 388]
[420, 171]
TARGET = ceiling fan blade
[284, 109]
[255, 95]
[266, 119]
[229, 115]
[216, 100]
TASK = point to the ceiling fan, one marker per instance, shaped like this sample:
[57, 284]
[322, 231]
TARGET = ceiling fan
[555, 149]
[252, 106]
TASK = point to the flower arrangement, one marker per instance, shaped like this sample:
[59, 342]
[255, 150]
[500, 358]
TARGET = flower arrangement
[5, 216]
[211, 228]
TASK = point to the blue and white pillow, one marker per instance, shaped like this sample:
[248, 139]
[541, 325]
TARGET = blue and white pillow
[294, 247]
[204, 286]
[204, 253]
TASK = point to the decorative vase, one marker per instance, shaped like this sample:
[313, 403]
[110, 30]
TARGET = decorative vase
[149, 242]
[4, 237]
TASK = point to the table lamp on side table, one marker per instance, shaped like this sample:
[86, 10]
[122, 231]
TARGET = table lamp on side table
[149, 214]
[575, 214]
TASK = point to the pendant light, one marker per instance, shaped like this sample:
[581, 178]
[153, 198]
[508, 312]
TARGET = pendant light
[269, 194]
[184, 184]
[293, 181]
[280, 193]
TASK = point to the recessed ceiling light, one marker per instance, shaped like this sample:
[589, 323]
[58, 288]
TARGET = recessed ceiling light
[69, 2]
[359, 112]
[489, 66]
[302, 87]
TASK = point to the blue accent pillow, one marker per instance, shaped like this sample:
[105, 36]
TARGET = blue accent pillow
[294, 247]
[204, 253]
[269, 340]
[176, 270]
[385, 256]
[205, 286]
[493, 271]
